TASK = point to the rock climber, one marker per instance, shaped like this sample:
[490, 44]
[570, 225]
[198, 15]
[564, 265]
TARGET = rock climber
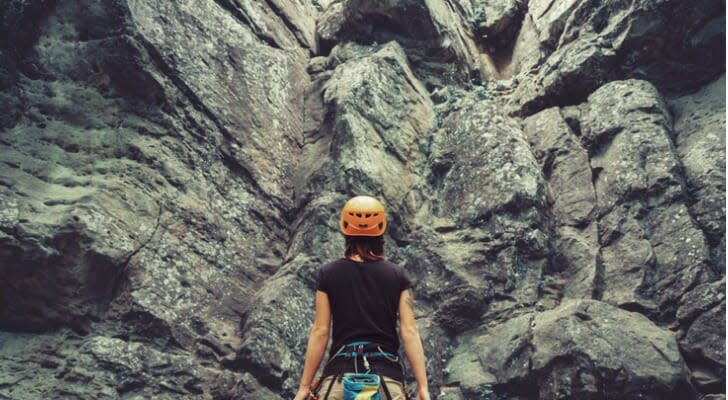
[364, 295]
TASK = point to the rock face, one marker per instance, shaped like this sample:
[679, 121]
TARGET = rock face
[639, 191]
[171, 175]
[572, 47]
[573, 351]
[700, 142]
[437, 27]
[131, 210]
[702, 316]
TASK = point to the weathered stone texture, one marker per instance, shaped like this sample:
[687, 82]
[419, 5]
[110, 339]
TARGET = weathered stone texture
[573, 47]
[700, 141]
[171, 174]
[572, 352]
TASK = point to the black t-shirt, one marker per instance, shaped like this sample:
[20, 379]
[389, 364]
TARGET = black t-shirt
[364, 298]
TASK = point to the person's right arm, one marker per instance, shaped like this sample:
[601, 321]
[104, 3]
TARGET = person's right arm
[317, 341]
[412, 342]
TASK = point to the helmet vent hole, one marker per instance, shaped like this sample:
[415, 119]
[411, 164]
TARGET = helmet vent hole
[367, 215]
[375, 214]
[381, 225]
[351, 213]
[346, 224]
[363, 225]
[358, 215]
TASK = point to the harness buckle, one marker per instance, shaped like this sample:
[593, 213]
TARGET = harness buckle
[360, 353]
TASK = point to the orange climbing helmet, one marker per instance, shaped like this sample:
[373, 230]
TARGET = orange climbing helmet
[363, 216]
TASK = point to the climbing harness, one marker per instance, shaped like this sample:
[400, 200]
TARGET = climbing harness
[359, 385]
[365, 355]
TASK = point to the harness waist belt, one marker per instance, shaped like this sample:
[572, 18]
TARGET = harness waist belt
[370, 354]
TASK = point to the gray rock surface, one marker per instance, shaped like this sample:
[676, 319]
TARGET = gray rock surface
[278, 24]
[496, 22]
[573, 47]
[126, 211]
[65, 365]
[489, 207]
[439, 28]
[702, 337]
[572, 352]
[652, 251]
[563, 160]
[616, 199]
[267, 96]
[700, 141]
[171, 174]
[565, 165]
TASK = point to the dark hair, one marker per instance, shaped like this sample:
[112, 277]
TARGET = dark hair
[368, 248]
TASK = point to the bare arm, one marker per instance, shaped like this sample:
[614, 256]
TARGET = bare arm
[317, 341]
[412, 342]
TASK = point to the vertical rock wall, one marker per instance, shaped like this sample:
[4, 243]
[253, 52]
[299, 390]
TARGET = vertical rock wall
[171, 175]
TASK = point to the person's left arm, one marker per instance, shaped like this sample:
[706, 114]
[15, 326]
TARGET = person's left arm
[317, 341]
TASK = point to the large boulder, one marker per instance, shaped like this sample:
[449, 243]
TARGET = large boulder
[564, 162]
[618, 193]
[584, 349]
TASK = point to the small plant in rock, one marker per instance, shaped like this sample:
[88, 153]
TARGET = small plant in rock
[450, 73]
[481, 92]
[477, 18]
[317, 5]
[454, 96]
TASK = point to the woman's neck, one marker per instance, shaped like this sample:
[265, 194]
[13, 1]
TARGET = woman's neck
[355, 257]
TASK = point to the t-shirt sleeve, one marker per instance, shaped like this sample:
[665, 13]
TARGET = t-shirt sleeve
[404, 280]
[321, 281]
